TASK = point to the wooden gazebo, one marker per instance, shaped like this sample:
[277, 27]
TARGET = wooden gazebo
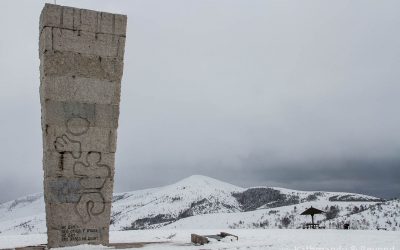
[312, 211]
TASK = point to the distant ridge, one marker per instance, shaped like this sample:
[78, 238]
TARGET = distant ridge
[203, 202]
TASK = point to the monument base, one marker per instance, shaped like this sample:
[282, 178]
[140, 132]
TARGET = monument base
[112, 245]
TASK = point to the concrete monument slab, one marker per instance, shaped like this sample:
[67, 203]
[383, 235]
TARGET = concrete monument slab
[81, 63]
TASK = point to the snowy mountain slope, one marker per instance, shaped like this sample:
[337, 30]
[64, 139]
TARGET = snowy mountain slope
[23, 215]
[379, 216]
[199, 202]
[191, 196]
[286, 217]
[22, 207]
[198, 195]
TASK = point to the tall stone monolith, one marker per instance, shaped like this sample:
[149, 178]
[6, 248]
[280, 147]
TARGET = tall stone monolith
[81, 62]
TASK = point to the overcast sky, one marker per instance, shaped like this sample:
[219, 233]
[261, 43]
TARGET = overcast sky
[297, 94]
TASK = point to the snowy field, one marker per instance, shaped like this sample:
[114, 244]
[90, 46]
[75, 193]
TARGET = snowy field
[280, 239]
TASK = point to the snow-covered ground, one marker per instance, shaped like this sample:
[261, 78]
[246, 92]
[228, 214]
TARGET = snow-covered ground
[279, 239]
[203, 205]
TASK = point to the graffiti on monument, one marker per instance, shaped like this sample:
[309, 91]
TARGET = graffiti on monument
[92, 174]
[64, 144]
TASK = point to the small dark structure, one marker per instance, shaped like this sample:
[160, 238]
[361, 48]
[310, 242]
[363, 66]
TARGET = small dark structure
[198, 239]
[204, 239]
[346, 226]
[312, 211]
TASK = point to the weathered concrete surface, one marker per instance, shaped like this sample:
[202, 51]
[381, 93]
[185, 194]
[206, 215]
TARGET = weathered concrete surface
[81, 62]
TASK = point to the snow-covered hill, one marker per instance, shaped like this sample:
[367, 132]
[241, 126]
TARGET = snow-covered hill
[380, 216]
[203, 202]
[156, 207]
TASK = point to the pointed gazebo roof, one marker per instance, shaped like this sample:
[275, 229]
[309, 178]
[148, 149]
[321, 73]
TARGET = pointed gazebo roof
[312, 211]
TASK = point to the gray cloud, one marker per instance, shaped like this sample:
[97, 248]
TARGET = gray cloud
[296, 94]
[377, 177]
